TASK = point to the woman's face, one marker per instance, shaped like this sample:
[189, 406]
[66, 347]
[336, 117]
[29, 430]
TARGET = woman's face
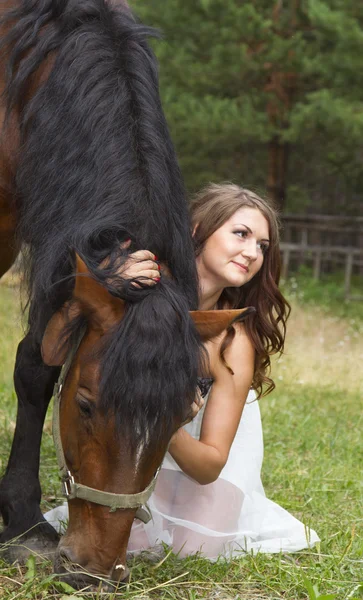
[234, 253]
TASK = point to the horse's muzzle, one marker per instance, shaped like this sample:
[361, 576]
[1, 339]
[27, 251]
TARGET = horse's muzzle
[74, 575]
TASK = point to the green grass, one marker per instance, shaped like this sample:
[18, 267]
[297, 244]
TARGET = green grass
[327, 293]
[313, 467]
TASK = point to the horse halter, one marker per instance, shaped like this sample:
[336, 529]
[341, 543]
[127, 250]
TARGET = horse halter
[71, 489]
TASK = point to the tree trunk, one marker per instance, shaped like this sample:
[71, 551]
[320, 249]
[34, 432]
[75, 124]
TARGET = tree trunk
[278, 153]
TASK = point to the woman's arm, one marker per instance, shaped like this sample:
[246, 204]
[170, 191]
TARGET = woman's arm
[204, 459]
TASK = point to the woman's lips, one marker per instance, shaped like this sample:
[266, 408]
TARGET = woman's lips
[243, 267]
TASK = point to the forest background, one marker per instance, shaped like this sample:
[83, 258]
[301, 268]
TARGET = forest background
[268, 94]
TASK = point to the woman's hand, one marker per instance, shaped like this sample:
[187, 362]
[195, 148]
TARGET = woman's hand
[141, 264]
[195, 407]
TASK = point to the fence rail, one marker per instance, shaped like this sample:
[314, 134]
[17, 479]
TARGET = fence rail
[323, 230]
[351, 257]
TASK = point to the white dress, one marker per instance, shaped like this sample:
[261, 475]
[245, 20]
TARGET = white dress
[227, 517]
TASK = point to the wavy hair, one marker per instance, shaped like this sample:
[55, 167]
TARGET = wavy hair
[210, 209]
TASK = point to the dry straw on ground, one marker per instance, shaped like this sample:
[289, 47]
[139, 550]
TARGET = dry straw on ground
[322, 349]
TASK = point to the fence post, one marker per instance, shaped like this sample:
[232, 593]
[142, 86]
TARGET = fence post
[303, 246]
[285, 262]
[317, 265]
[348, 273]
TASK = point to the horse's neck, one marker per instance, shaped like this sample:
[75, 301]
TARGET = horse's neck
[8, 212]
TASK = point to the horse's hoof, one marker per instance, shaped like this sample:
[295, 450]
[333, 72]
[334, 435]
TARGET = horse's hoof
[41, 542]
[19, 550]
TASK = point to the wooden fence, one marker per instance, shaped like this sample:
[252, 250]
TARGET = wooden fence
[327, 243]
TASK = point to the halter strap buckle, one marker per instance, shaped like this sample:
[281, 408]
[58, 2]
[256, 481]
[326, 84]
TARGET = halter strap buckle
[67, 483]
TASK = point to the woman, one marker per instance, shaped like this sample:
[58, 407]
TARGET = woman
[209, 495]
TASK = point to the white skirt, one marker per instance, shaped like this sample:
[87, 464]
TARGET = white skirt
[227, 517]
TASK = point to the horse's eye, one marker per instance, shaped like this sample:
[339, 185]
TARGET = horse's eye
[85, 406]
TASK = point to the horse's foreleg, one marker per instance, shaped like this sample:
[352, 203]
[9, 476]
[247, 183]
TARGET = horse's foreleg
[20, 490]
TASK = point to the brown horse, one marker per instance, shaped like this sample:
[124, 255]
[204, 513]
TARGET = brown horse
[86, 162]
[96, 538]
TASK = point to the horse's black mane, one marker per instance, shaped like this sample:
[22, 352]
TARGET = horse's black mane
[96, 164]
[154, 361]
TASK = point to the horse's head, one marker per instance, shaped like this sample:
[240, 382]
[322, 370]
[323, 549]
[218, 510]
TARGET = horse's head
[114, 434]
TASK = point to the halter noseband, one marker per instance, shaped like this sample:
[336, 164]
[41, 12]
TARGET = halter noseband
[71, 489]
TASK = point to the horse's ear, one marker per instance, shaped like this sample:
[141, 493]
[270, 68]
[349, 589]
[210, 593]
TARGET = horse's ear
[102, 309]
[90, 299]
[211, 323]
[55, 342]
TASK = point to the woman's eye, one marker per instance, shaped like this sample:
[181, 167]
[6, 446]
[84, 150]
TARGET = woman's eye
[263, 247]
[241, 233]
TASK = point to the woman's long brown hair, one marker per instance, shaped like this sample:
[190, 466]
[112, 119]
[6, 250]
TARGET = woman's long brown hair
[210, 209]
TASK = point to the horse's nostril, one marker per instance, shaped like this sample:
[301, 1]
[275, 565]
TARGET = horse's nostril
[66, 557]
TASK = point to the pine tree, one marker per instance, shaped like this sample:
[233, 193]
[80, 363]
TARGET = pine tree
[249, 85]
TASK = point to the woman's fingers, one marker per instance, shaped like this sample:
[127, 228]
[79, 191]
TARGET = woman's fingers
[141, 265]
[143, 255]
[195, 407]
[132, 269]
[147, 277]
[197, 404]
[199, 400]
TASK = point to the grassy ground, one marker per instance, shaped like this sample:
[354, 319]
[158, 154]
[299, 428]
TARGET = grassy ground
[313, 467]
